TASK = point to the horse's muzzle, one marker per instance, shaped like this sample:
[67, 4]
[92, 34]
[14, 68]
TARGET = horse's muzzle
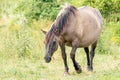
[47, 59]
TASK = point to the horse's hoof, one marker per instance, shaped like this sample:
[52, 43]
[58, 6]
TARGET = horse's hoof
[79, 71]
[66, 73]
[90, 69]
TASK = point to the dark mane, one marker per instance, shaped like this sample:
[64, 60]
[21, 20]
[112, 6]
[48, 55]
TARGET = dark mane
[63, 17]
[60, 22]
[49, 35]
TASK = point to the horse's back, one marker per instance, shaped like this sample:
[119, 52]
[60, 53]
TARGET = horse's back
[94, 11]
[83, 27]
[90, 25]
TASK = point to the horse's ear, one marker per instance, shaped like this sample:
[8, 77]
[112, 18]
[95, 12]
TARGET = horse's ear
[56, 31]
[43, 31]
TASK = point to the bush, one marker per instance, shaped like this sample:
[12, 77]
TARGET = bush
[107, 7]
[109, 38]
[40, 9]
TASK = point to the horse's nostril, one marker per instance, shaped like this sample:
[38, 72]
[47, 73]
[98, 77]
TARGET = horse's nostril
[47, 59]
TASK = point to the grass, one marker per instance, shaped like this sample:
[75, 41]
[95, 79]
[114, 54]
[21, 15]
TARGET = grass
[22, 55]
[106, 67]
[31, 65]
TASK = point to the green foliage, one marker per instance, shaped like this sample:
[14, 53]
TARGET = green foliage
[19, 41]
[39, 9]
[45, 9]
[48, 9]
[115, 38]
[109, 38]
[107, 7]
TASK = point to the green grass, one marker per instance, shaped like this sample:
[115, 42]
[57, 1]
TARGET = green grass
[106, 67]
[19, 64]
[22, 55]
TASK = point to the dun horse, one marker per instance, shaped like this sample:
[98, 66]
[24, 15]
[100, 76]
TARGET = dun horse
[77, 28]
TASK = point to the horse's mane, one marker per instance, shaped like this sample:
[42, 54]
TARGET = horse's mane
[61, 20]
[50, 35]
[63, 17]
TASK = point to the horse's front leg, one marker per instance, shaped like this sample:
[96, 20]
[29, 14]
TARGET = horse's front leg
[64, 56]
[76, 65]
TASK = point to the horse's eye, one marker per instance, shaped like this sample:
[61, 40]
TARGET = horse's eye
[54, 43]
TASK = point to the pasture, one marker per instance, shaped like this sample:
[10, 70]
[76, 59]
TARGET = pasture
[31, 64]
[22, 49]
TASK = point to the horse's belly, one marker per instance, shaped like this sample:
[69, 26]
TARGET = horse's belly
[89, 39]
[81, 44]
[86, 43]
[68, 44]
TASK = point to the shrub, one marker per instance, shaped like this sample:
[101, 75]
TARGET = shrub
[39, 9]
[107, 7]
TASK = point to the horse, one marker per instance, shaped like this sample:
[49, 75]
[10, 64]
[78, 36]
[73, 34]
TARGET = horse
[77, 28]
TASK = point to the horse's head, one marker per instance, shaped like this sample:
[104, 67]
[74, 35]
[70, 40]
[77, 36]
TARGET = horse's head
[51, 45]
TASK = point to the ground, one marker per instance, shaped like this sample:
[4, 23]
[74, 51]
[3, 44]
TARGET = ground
[106, 67]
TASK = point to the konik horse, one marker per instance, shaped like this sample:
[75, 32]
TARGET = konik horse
[77, 28]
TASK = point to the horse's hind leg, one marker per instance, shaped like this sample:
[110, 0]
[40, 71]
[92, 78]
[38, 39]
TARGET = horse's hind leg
[92, 53]
[88, 58]
[72, 54]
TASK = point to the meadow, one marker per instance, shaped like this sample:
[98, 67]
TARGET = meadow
[22, 49]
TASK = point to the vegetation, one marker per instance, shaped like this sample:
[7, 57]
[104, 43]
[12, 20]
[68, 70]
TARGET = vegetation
[22, 48]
